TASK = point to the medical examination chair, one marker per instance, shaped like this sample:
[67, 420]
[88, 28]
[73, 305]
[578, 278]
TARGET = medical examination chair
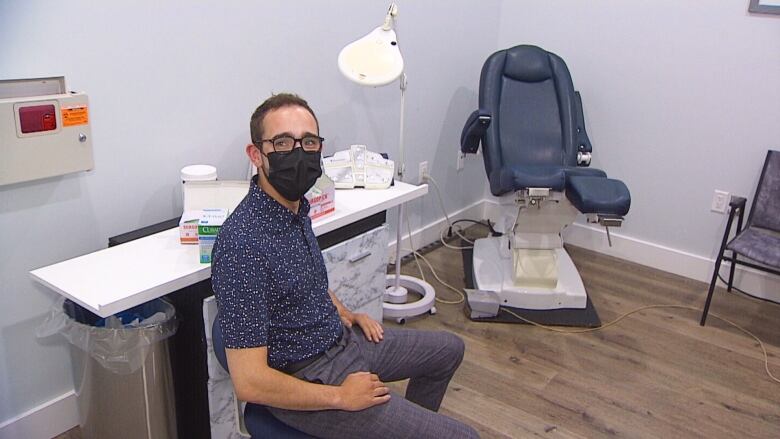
[256, 420]
[536, 154]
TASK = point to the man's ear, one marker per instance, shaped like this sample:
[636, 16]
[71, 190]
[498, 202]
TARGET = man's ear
[255, 156]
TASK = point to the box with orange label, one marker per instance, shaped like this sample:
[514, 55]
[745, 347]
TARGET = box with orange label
[188, 226]
[322, 198]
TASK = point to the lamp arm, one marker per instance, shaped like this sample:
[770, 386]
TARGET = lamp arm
[392, 12]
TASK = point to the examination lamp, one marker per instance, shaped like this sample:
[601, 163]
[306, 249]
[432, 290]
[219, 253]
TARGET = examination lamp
[375, 60]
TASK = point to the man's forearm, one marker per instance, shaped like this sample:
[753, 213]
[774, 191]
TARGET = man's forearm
[277, 389]
[343, 311]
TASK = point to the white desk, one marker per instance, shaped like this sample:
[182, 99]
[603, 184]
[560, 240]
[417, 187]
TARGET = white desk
[117, 278]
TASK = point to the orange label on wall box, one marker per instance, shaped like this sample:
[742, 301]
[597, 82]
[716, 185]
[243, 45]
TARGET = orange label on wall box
[75, 116]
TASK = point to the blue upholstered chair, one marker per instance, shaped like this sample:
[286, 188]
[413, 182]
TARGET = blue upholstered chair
[760, 239]
[259, 422]
[531, 128]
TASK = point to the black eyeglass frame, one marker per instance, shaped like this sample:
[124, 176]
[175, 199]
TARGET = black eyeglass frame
[298, 141]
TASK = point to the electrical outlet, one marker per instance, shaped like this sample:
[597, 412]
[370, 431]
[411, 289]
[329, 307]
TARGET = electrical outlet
[461, 160]
[720, 201]
[423, 173]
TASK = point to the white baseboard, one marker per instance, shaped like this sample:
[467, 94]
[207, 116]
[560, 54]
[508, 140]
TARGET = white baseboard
[692, 266]
[45, 421]
[760, 284]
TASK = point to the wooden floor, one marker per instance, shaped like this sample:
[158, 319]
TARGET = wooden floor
[656, 374]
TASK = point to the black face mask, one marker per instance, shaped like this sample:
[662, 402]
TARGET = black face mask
[293, 173]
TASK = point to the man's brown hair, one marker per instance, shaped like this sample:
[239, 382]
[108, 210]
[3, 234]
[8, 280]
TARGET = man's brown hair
[274, 102]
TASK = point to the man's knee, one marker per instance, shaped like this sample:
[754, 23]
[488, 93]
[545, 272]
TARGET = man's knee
[460, 430]
[470, 432]
[455, 348]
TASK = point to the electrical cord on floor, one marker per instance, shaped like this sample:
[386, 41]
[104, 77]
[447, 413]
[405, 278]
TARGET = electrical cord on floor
[606, 325]
[430, 267]
[416, 254]
[485, 223]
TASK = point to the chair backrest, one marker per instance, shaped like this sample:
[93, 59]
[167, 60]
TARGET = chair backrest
[219, 344]
[256, 421]
[530, 96]
[765, 210]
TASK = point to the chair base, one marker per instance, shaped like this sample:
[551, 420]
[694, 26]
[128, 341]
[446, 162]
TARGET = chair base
[492, 271]
[581, 318]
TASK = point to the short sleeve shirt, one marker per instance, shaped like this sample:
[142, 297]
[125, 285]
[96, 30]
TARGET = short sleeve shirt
[270, 281]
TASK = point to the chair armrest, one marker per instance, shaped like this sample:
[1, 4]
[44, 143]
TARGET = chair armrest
[583, 142]
[737, 202]
[474, 130]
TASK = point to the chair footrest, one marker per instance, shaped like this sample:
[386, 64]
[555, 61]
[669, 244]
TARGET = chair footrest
[598, 195]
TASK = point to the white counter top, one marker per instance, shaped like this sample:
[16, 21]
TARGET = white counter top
[117, 278]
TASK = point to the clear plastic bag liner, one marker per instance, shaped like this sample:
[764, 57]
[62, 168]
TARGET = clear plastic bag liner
[119, 347]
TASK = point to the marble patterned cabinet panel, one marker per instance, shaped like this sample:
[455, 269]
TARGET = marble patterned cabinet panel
[356, 273]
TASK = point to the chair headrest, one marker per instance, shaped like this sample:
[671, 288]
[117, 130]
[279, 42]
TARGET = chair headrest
[527, 64]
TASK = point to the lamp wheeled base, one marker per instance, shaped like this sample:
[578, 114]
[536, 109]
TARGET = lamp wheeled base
[396, 306]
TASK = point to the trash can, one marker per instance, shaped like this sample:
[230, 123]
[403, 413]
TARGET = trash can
[121, 369]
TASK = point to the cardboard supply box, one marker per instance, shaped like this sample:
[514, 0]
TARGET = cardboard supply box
[188, 226]
[210, 222]
[322, 205]
[322, 198]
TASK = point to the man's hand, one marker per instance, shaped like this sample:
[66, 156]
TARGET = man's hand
[361, 390]
[371, 328]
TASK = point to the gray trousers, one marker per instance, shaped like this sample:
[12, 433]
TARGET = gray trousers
[428, 358]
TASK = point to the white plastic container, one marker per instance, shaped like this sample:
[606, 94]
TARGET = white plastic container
[196, 173]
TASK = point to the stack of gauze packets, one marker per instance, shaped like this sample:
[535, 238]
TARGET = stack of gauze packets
[358, 167]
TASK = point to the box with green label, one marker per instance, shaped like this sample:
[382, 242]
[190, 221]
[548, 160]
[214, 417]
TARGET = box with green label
[211, 221]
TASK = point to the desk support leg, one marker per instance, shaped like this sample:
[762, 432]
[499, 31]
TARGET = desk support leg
[188, 362]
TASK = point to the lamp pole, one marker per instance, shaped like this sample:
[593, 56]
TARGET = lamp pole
[402, 167]
[400, 173]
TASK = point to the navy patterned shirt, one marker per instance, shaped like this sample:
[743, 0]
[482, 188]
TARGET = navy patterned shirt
[270, 282]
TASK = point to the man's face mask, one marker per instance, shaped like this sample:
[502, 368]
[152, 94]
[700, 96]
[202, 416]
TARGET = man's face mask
[293, 173]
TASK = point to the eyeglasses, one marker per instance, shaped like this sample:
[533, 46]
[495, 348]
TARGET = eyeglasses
[285, 144]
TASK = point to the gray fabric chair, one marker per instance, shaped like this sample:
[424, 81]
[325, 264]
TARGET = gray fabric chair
[759, 241]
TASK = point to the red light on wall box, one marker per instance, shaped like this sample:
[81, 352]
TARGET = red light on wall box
[37, 118]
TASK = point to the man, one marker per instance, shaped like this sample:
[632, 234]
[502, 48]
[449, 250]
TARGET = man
[291, 345]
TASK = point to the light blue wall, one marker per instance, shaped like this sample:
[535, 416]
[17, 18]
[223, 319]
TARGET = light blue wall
[681, 97]
[173, 83]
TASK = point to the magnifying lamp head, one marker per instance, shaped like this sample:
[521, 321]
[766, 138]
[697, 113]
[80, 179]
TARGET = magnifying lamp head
[373, 60]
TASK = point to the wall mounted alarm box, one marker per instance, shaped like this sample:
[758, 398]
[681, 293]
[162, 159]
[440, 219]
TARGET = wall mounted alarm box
[44, 130]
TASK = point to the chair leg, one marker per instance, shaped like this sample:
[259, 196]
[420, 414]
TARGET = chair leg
[731, 271]
[721, 253]
[712, 289]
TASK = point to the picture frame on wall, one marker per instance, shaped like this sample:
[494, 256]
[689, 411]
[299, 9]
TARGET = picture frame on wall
[765, 6]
